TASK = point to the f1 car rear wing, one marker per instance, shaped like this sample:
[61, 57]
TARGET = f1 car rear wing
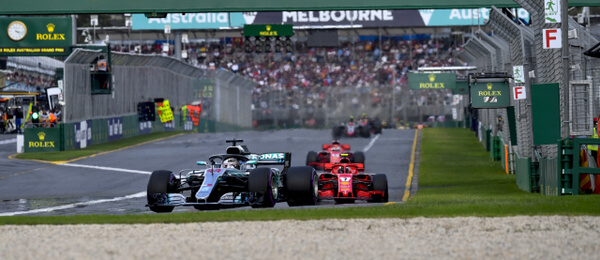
[284, 159]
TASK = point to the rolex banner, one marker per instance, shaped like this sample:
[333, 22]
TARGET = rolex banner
[37, 36]
[43, 139]
[431, 81]
[490, 94]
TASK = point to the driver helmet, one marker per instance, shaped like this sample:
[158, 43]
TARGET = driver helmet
[231, 163]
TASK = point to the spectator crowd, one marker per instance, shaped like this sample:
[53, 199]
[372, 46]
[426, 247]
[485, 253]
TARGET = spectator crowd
[366, 73]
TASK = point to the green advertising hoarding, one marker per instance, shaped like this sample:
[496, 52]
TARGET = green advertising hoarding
[490, 94]
[268, 30]
[431, 81]
[43, 139]
[35, 36]
[545, 113]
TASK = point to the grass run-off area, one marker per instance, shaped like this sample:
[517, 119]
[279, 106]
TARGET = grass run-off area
[456, 177]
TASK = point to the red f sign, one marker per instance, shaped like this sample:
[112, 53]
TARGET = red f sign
[519, 92]
[552, 38]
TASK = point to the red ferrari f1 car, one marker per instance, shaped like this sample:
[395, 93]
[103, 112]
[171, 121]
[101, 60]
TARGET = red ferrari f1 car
[332, 154]
[346, 182]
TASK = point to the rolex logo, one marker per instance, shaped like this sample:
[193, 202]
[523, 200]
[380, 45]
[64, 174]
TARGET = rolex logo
[268, 27]
[41, 135]
[50, 27]
[432, 77]
[489, 86]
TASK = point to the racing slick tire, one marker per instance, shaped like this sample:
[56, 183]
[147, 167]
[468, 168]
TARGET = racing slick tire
[264, 183]
[302, 186]
[365, 131]
[380, 184]
[311, 157]
[337, 132]
[359, 157]
[160, 183]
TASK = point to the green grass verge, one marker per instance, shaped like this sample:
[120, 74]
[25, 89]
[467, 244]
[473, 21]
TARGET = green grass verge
[457, 177]
[97, 148]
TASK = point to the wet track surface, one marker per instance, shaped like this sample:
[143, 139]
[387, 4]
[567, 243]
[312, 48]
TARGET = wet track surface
[115, 182]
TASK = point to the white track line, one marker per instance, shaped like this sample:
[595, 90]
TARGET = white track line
[74, 205]
[8, 141]
[70, 206]
[105, 168]
[371, 143]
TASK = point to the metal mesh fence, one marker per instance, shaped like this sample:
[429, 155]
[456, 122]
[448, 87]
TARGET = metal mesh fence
[518, 41]
[137, 78]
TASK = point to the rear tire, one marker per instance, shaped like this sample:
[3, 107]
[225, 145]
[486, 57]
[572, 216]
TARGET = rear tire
[380, 184]
[160, 183]
[302, 186]
[365, 131]
[264, 183]
[311, 157]
[359, 157]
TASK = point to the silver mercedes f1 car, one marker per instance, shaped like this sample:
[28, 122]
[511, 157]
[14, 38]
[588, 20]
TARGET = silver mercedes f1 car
[236, 178]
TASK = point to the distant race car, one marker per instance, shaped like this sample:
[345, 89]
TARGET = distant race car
[234, 179]
[346, 182]
[351, 129]
[333, 153]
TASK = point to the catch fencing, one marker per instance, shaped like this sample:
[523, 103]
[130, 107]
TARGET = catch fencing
[513, 44]
[225, 97]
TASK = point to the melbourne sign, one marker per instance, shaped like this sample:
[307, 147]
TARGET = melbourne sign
[431, 81]
[322, 19]
[490, 94]
[35, 36]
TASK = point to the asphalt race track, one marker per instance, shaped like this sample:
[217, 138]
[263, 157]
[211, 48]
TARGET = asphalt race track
[115, 182]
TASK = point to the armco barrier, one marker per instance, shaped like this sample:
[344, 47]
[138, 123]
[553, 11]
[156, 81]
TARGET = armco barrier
[550, 177]
[495, 150]
[526, 174]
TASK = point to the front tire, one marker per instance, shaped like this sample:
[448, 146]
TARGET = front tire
[264, 183]
[359, 157]
[380, 184]
[160, 183]
[302, 186]
[311, 157]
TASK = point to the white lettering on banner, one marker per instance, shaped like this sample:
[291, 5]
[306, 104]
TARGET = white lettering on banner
[324, 16]
[312, 18]
[302, 17]
[467, 14]
[337, 16]
[363, 15]
[190, 18]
